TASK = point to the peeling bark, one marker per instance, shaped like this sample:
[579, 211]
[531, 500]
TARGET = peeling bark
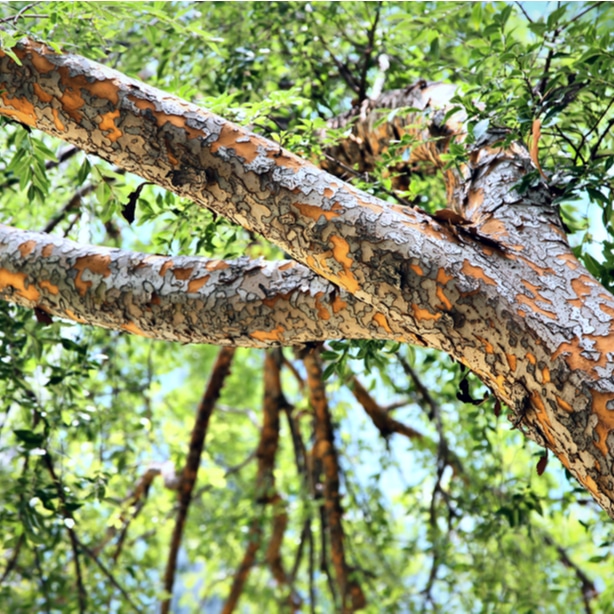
[494, 284]
[187, 299]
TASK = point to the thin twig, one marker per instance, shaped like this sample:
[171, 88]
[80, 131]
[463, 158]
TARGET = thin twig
[74, 541]
[587, 586]
[109, 575]
[13, 560]
[362, 88]
[382, 420]
[519, 5]
[20, 14]
[41, 575]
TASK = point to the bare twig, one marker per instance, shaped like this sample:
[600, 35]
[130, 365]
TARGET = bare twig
[362, 85]
[43, 580]
[13, 560]
[20, 14]
[519, 5]
[220, 371]
[109, 575]
[69, 524]
[587, 586]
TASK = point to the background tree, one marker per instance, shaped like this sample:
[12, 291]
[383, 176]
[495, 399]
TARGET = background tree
[98, 475]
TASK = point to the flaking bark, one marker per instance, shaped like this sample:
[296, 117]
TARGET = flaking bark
[495, 286]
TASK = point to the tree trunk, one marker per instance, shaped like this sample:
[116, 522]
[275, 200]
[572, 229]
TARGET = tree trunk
[492, 281]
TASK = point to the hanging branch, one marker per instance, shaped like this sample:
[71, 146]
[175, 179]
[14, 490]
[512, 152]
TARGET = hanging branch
[370, 47]
[134, 501]
[382, 420]
[352, 597]
[265, 479]
[276, 402]
[220, 371]
[69, 524]
[13, 560]
[587, 586]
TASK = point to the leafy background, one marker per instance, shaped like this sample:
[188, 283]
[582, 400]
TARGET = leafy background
[100, 407]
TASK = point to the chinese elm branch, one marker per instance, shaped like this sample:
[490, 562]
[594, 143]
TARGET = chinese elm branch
[493, 282]
[188, 299]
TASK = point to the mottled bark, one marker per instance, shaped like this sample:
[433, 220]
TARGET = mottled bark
[495, 284]
[187, 299]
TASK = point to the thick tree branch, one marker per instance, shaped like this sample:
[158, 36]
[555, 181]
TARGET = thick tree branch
[495, 284]
[187, 299]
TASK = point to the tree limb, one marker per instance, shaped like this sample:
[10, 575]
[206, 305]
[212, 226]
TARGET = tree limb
[219, 373]
[187, 299]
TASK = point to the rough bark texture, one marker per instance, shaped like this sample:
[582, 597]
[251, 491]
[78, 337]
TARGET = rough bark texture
[493, 282]
[193, 300]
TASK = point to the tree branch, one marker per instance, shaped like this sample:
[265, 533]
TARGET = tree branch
[266, 493]
[493, 283]
[219, 373]
[352, 597]
[382, 420]
[187, 299]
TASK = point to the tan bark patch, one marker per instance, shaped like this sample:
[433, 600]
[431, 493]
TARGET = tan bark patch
[341, 251]
[97, 264]
[338, 304]
[27, 248]
[17, 283]
[196, 284]
[22, 111]
[131, 327]
[107, 122]
[381, 320]
[42, 95]
[488, 347]
[417, 269]
[570, 260]
[272, 335]
[525, 300]
[57, 122]
[314, 212]
[217, 265]
[182, 274]
[477, 273]
[322, 311]
[40, 62]
[605, 418]
[424, 314]
[47, 285]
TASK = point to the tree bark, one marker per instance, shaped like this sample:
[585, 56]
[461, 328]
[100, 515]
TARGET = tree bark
[492, 282]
